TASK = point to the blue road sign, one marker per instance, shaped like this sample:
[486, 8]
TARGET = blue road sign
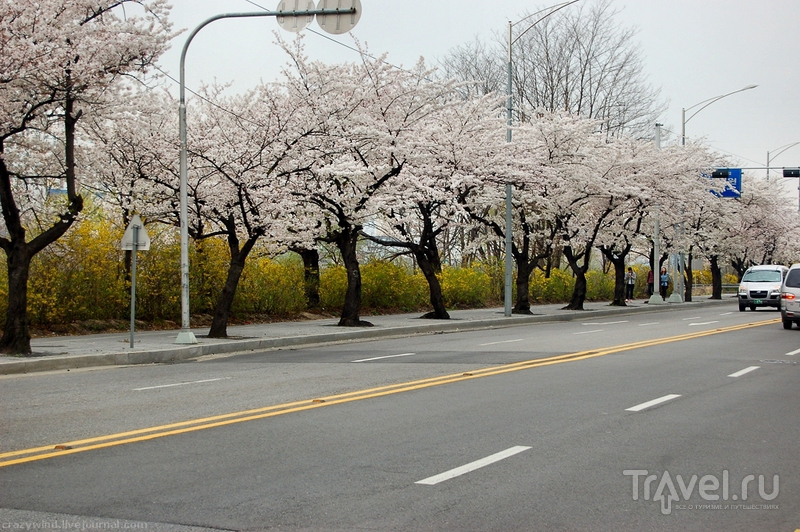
[733, 182]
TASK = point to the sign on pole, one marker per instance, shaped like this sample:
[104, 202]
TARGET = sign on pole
[733, 182]
[340, 22]
[143, 240]
[295, 23]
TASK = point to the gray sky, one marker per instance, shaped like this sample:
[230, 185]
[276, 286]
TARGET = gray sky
[693, 50]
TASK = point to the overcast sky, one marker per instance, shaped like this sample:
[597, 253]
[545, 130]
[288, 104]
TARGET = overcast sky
[693, 50]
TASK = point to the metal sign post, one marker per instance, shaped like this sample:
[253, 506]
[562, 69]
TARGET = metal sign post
[134, 239]
[133, 280]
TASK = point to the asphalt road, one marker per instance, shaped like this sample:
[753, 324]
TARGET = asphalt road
[635, 423]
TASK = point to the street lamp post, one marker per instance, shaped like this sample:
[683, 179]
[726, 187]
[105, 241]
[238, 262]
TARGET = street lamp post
[677, 294]
[655, 297]
[708, 102]
[779, 150]
[333, 16]
[509, 262]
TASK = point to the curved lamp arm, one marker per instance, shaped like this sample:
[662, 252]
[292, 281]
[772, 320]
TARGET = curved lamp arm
[707, 103]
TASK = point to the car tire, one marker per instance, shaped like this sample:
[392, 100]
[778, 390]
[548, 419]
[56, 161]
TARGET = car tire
[741, 307]
[787, 324]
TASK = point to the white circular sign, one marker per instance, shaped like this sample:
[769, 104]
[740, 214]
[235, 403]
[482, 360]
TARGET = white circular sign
[342, 22]
[295, 23]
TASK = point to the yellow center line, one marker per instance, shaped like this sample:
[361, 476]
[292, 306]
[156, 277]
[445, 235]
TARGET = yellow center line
[183, 427]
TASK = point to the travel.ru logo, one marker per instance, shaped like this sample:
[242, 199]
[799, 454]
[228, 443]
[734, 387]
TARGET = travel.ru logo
[709, 488]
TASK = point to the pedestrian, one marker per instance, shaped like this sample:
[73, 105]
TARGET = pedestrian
[664, 282]
[650, 282]
[630, 282]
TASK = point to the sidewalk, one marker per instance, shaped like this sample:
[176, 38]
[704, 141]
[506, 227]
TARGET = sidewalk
[70, 352]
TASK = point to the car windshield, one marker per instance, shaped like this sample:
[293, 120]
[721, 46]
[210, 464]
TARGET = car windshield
[762, 276]
[793, 279]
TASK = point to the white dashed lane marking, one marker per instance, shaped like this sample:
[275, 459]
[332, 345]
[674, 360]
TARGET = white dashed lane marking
[472, 466]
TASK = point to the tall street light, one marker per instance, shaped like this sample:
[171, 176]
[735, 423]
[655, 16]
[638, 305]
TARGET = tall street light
[509, 263]
[779, 150]
[677, 294]
[655, 297]
[333, 20]
[708, 102]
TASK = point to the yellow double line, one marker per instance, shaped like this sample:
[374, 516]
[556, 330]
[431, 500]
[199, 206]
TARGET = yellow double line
[183, 427]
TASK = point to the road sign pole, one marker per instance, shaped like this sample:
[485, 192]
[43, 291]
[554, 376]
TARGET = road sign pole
[133, 280]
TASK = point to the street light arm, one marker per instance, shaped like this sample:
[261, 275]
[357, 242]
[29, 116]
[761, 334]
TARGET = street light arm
[707, 103]
[552, 10]
[712, 100]
[785, 147]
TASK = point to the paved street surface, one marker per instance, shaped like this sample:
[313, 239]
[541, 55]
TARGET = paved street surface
[685, 418]
[70, 352]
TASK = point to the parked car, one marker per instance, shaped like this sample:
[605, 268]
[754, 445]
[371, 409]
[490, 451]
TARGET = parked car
[761, 286]
[790, 298]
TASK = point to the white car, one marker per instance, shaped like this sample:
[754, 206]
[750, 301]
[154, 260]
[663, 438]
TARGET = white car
[761, 286]
[790, 298]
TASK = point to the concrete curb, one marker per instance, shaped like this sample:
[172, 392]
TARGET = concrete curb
[174, 354]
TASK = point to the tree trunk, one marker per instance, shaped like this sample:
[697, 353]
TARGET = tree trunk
[346, 241]
[522, 258]
[579, 292]
[524, 270]
[429, 270]
[619, 282]
[689, 278]
[222, 310]
[740, 265]
[16, 333]
[310, 276]
[716, 278]
[617, 258]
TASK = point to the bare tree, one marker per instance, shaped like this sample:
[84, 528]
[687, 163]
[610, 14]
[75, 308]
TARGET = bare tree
[579, 60]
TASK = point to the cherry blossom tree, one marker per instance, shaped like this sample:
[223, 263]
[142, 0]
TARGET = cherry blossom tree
[458, 148]
[638, 163]
[242, 150]
[695, 211]
[58, 61]
[367, 116]
[131, 148]
[543, 151]
[762, 223]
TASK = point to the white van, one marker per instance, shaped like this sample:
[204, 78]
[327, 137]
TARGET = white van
[790, 298]
[761, 286]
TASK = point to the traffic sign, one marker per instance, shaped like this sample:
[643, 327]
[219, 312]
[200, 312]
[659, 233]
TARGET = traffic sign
[339, 23]
[143, 240]
[295, 23]
[733, 185]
